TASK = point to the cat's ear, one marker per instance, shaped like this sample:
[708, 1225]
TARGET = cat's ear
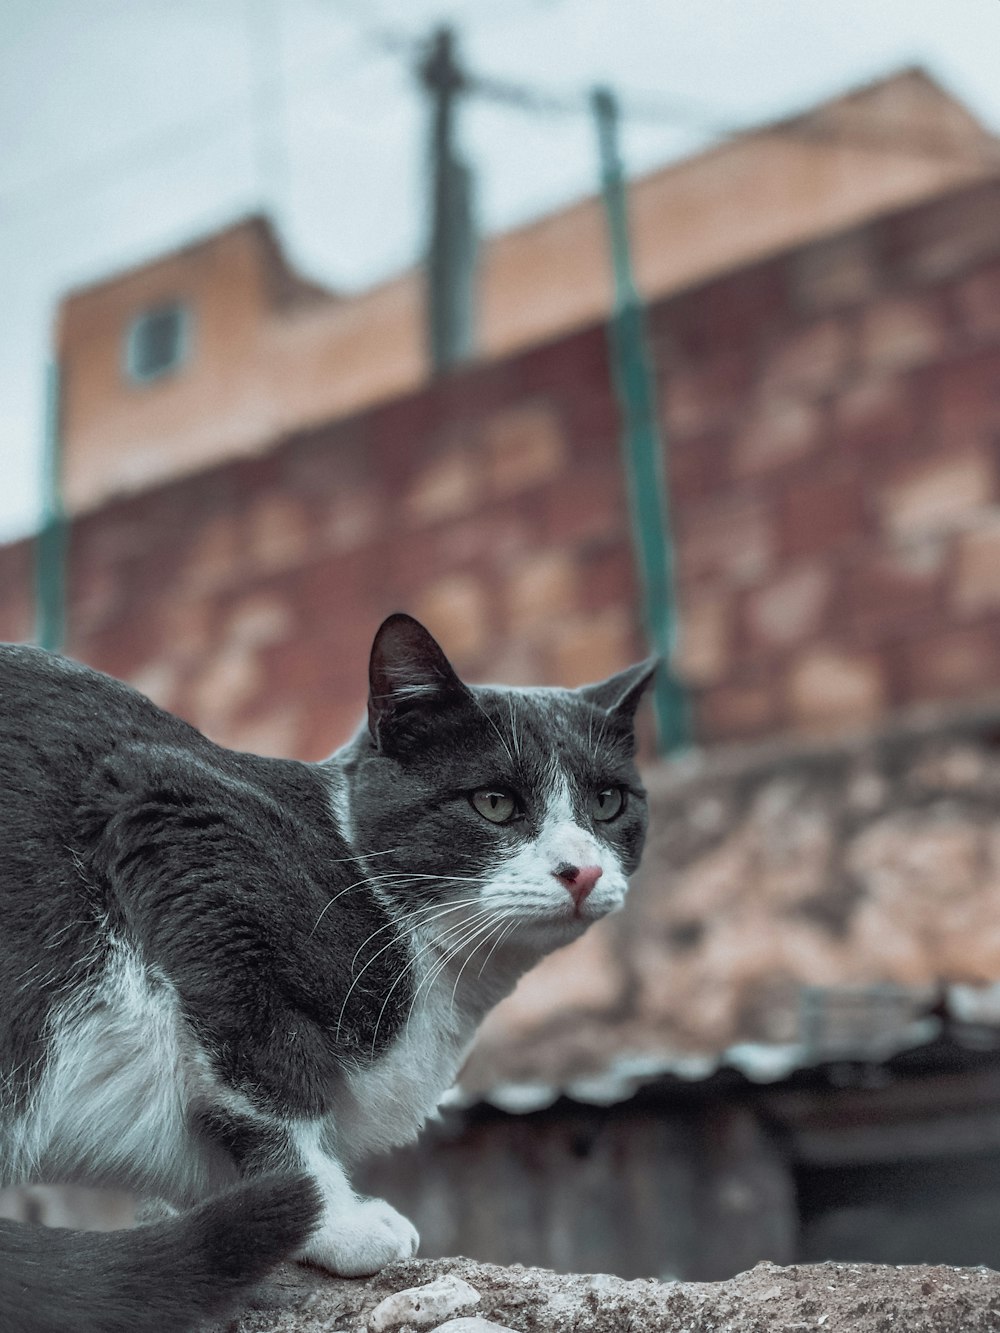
[620, 694]
[407, 670]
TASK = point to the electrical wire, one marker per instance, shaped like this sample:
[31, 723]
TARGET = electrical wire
[646, 108]
[183, 138]
[175, 141]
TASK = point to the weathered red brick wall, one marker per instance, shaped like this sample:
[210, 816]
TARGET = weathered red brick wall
[835, 423]
[491, 506]
[834, 416]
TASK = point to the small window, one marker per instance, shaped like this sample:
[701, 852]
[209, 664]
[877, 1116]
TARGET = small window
[156, 342]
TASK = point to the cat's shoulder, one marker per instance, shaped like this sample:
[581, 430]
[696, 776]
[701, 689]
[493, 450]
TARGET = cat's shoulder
[54, 700]
[129, 744]
[50, 676]
[25, 662]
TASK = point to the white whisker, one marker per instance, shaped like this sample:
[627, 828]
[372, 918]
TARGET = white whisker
[377, 954]
[426, 948]
[499, 940]
[499, 733]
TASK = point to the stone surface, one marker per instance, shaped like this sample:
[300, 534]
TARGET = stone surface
[979, 301]
[828, 688]
[741, 711]
[277, 532]
[834, 273]
[705, 635]
[952, 664]
[900, 332]
[455, 608]
[781, 431]
[590, 647]
[977, 577]
[447, 487]
[848, 1298]
[473, 1324]
[539, 589]
[938, 493]
[790, 608]
[732, 538]
[424, 1306]
[524, 446]
[811, 360]
[821, 513]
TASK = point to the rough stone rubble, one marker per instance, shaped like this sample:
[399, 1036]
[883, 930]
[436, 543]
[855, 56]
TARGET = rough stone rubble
[460, 1296]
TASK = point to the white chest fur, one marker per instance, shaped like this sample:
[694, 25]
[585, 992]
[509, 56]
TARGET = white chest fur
[389, 1102]
[111, 1102]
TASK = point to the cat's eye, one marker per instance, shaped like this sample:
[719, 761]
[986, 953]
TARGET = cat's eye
[499, 807]
[607, 803]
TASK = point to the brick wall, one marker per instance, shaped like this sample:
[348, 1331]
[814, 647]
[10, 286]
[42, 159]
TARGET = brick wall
[835, 424]
[490, 505]
[834, 416]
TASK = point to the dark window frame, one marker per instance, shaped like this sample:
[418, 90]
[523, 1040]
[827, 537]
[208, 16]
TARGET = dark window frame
[140, 367]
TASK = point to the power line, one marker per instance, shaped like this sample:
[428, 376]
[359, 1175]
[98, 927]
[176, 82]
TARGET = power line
[173, 142]
[643, 107]
[639, 107]
[185, 137]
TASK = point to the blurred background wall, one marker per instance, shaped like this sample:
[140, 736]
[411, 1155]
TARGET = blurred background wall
[793, 1027]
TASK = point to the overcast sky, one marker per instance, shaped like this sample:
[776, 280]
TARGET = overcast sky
[129, 126]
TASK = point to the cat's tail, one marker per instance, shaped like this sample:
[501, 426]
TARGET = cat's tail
[162, 1278]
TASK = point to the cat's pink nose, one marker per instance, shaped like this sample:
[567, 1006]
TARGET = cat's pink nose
[578, 880]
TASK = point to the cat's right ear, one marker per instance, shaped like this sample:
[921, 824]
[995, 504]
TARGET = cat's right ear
[407, 671]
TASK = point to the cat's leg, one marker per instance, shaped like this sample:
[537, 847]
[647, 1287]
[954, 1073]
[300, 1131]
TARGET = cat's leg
[356, 1236]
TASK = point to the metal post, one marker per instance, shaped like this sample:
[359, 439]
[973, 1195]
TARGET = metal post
[642, 448]
[451, 253]
[50, 543]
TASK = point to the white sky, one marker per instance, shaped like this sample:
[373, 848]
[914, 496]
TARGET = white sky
[130, 126]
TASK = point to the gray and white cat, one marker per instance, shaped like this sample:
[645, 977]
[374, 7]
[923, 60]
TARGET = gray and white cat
[224, 979]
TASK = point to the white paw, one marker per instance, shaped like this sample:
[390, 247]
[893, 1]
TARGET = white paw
[360, 1238]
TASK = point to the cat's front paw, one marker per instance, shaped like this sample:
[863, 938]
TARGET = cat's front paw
[360, 1238]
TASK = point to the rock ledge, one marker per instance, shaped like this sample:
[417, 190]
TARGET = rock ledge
[845, 1298]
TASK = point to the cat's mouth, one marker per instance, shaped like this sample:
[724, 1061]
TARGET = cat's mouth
[573, 914]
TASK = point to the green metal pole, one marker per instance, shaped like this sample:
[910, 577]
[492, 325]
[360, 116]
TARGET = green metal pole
[50, 544]
[641, 442]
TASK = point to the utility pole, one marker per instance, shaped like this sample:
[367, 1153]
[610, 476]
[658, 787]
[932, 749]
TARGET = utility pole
[642, 448]
[452, 250]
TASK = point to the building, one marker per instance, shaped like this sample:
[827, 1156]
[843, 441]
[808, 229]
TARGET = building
[831, 413]
[830, 397]
[249, 351]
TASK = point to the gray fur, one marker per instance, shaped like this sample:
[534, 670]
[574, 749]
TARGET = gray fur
[216, 966]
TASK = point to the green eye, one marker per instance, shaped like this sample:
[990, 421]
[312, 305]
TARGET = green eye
[499, 807]
[606, 804]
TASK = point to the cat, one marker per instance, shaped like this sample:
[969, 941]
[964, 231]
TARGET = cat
[227, 979]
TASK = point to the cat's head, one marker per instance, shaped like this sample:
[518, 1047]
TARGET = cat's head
[500, 811]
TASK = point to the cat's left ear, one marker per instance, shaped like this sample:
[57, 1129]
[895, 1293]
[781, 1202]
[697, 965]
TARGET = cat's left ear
[620, 694]
[407, 671]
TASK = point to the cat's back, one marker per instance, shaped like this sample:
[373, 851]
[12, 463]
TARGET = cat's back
[58, 721]
[57, 717]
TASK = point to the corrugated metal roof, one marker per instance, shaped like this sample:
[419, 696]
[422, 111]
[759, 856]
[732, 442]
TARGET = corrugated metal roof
[967, 1015]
